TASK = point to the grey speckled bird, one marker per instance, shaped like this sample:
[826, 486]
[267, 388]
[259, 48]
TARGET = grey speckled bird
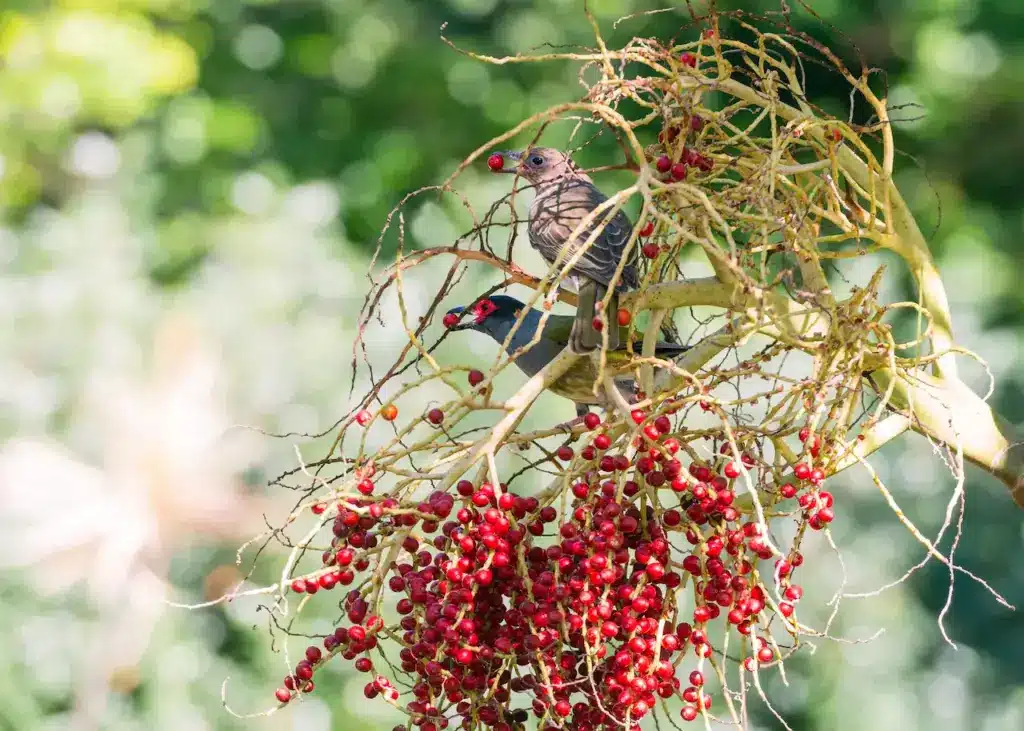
[564, 196]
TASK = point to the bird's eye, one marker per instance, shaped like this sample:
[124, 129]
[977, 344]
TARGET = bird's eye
[536, 160]
[484, 309]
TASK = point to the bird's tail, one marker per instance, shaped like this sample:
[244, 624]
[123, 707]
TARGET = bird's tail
[585, 338]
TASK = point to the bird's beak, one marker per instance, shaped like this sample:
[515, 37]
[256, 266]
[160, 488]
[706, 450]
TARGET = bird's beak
[515, 155]
[457, 311]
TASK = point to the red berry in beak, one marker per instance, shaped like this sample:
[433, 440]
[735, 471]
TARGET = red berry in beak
[496, 162]
[450, 320]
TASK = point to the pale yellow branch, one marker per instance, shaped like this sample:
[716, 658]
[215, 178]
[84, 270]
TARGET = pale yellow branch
[949, 412]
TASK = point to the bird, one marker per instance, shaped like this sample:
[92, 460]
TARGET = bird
[496, 315]
[563, 196]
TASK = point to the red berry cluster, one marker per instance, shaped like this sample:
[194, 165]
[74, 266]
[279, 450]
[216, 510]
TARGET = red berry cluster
[677, 168]
[501, 597]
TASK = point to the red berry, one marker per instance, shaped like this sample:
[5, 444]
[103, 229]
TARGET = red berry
[450, 319]
[623, 317]
[563, 708]
[484, 577]
[802, 471]
[475, 377]
[678, 171]
[496, 162]
[825, 515]
[650, 250]
[602, 441]
[697, 678]
[363, 417]
[732, 471]
[313, 654]
[597, 323]
[786, 609]
[638, 416]
[282, 695]
[689, 713]
[688, 59]
[364, 665]
[663, 163]
[648, 229]
[696, 123]
[663, 424]
[389, 412]
[365, 487]
[299, 586]
[592, 420]
[787, 491]
[564, 453]
[435, 416]
[668, 135]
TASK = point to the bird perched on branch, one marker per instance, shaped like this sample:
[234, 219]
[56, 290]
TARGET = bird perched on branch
[496, 317]
[564, 196]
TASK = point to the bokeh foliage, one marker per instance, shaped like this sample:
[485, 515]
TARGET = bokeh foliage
[213, 132]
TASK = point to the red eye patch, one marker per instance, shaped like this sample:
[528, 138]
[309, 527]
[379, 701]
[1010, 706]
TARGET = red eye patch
[484, 309]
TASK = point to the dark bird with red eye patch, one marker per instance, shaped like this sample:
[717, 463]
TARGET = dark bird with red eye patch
[540, 338]
[564, 197]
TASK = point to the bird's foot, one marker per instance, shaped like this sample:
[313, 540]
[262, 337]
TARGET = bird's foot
[567, 426]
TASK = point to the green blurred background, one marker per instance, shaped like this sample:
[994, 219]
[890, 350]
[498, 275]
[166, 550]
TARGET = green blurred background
[211, 176]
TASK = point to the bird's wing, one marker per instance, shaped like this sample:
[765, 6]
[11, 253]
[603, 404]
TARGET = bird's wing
[559, 209]
[558, 328]
[621, 357]
[670, 350]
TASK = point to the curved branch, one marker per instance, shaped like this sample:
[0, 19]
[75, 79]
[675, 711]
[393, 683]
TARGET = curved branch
[947, 411]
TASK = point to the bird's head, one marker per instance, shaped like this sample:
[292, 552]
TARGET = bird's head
[493, 315]
[541, 165]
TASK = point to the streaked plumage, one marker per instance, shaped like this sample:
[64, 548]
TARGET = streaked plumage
[564, 196]
[497, 315]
